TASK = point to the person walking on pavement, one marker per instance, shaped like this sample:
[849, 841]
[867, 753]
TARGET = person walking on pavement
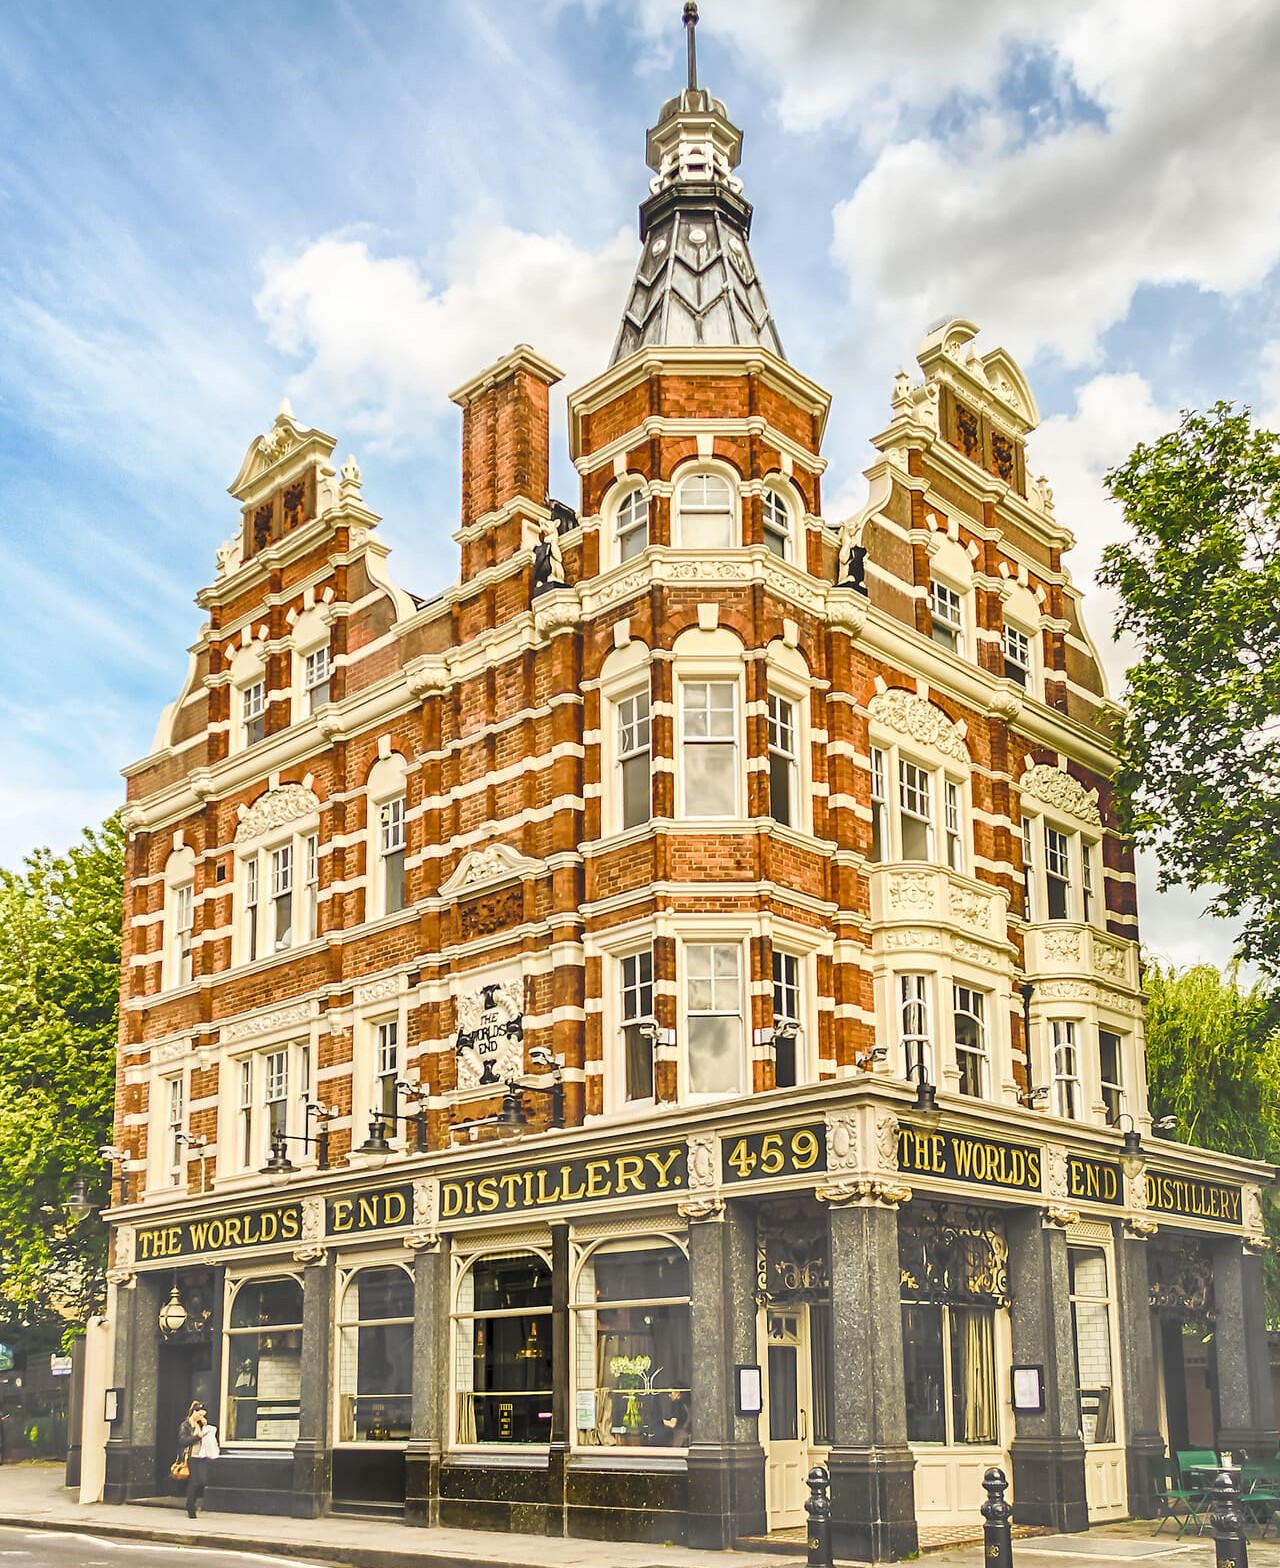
[198, 1441]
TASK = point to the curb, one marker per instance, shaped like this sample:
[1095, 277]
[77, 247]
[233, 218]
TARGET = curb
[342, 1556]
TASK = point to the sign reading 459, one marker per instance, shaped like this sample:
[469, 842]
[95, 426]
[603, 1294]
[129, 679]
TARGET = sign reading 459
[764, 1156]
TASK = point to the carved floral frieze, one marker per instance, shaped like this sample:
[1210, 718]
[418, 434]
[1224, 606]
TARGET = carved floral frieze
[1056, 788]
[284, 804]
[912, 715]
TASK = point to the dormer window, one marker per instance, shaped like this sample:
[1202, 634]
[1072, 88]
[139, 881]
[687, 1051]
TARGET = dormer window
[705, 510]
[631, 525]
[948, 616]
[253, 712]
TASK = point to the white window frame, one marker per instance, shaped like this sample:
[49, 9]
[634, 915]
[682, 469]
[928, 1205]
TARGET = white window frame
[779, 523]
[1018, 649]
[953, 825]
[687, 509]
[635, 1000]
[731, 743]
[629, 524]
[182, 935]
[392, 841]
[283, 918]
[783, 729]
[911, 794]
[633, 740]
[948, 619]
[311, 886]
[968, 1001]
[1030, 903]
[1058, 870]
[317, 676]
[894, 776]
[1112, 1090]
[722, 945]
[253, 712]
[881, 848]
[256, 1113]
[175, 1143]
[788, 981]
[913, 1006]
[1064, 1046]
[386, 1060]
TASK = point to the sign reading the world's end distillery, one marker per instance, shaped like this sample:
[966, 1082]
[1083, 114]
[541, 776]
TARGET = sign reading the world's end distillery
[635, 1173]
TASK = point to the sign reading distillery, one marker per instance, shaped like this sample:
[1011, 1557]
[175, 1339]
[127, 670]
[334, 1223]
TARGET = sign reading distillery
[1195, 1199]
[258, 1227]
[986, 1162]
[644, 1171]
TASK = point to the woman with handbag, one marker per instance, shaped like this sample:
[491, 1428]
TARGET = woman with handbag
[197, 1446]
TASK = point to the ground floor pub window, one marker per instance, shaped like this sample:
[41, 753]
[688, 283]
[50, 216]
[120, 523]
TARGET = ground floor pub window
[502, 1350]
[264, 1361]
[955, 1281]
[1091, 1320]
[632, 1352]
[375, 1356]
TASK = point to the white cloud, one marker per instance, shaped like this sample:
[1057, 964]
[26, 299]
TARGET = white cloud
[1047, 240]
[384, 344]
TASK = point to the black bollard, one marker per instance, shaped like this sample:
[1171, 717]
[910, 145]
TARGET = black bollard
[818, 1508]
[997, 1532]
[1226, 1519]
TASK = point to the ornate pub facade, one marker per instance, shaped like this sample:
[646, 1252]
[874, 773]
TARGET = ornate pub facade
[665, 1012]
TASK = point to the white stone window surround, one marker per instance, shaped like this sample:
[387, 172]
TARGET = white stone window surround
[903, 763]
[805, 1043]
[627, 518]
[951, 570]
[385, 784]
[310, 638]
[787, 676]
[1051, 838]
[713, 983]
[251, 1106]
[366, 1073]
[942, 1063]
[179, 917]
[971, 1013]
[710, 658]
[258, 867]
[1023, 615]
[706, 506]
[611, 947]
[249, 695]
[783, 511]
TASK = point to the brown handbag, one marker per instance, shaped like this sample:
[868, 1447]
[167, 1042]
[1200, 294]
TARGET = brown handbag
[179, 1469]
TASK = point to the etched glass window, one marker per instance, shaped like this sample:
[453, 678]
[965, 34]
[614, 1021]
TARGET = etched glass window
[264, 1362]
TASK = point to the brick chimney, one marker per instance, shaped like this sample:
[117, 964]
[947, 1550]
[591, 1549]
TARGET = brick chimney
[506, 455]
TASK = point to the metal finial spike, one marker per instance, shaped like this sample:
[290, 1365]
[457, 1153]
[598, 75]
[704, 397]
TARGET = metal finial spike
[690, 22]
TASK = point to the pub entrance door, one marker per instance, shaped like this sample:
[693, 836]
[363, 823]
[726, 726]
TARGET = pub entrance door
[787, 1418]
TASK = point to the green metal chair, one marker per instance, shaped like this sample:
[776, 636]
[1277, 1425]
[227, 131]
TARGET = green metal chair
[1260, 1491]
[1189, 1459]
[1171, 1496]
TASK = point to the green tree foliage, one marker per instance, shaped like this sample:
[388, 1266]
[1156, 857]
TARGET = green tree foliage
[1199, 586]
[1213, 1061]
[59, 988]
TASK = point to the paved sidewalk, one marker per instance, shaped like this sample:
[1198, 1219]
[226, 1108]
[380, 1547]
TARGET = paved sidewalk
[33, 1495]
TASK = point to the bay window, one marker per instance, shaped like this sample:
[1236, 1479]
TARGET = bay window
[969, 1009]
[1111, 1073]
[251, 909]
[631, 525]
[786, 1019]
[636, 1024]
[375, 1356]
[1057, 874]
[1066, 1068]
[709, 748]
[633, 1352]
[714, 1017]
[923, 818]
[1065, 885]
[782, 731]
[263, 1356]
[915, 811]
[913, 1027]
[502, 1350]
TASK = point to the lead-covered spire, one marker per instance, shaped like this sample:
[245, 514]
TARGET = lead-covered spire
[696, 282]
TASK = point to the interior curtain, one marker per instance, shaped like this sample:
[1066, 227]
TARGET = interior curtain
[606, 1348]
[981, 1421]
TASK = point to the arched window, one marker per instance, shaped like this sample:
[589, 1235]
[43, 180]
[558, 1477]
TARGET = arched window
[502, 1359]
[706, 512]
[388, 837]
[779, 526]
[264, 1361]
[375, 1356]
[179, 918]
[631, 525]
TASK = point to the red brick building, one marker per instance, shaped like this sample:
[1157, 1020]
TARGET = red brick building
[692, 956]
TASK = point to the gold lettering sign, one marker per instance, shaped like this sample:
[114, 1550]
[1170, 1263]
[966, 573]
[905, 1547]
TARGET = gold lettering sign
[565, 1181]
[257, 1227]
[1193, 1198]
[387, 1209]
[983, 1162]
[1093, 1181]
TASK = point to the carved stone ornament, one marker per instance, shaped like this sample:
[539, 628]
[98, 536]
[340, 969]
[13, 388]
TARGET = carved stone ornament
[1110, 961]
[1251, 1206]
[426, 1202]
[1137, 1190]
[556, 611]
[426, 679]
[1060, 1215]
[122, 1279]
[489, 867]
[124, 1245]
[887, 1194]
[847, 610]
[703, 1150]
[1055, 1172]
[170, 1051]
[910, 714]
[265, 1023]
[887, 1140]
[309, 1257]
[379, 990]
[274, 809]
[842, 1141]
[708, 1208]
[422, 1240]
[970, 908]
[1005, 702]
[927, 938]
[312, 1219]
[1061, 944]
[229, 556]
[1058, 789]
[1141, 1229]
[490, 1040]
[912, 891]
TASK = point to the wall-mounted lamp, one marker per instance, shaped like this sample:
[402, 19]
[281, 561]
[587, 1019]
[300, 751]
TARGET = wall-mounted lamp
[512, 1115]
[1132, 1157]
[925, 1104]
[1165, 1124]
[1033, 1097]
[173, 1315]
[78, 1206]
[375, 1147]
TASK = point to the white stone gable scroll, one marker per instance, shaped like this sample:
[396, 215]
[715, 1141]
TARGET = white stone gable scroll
[1055, 787]
[490, 1040]
[912, 715]
[490, 867]
[274, 809]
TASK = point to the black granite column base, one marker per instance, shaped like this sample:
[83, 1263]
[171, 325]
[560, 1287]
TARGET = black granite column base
[873, 1504]
[1048, 1483]
[422, 1484]
[312, 1480]
[1140, 1454]
[726, 1494]
[131, 1471]
[1248, 1442]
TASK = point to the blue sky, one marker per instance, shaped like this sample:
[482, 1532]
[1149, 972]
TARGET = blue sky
[206, 206]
